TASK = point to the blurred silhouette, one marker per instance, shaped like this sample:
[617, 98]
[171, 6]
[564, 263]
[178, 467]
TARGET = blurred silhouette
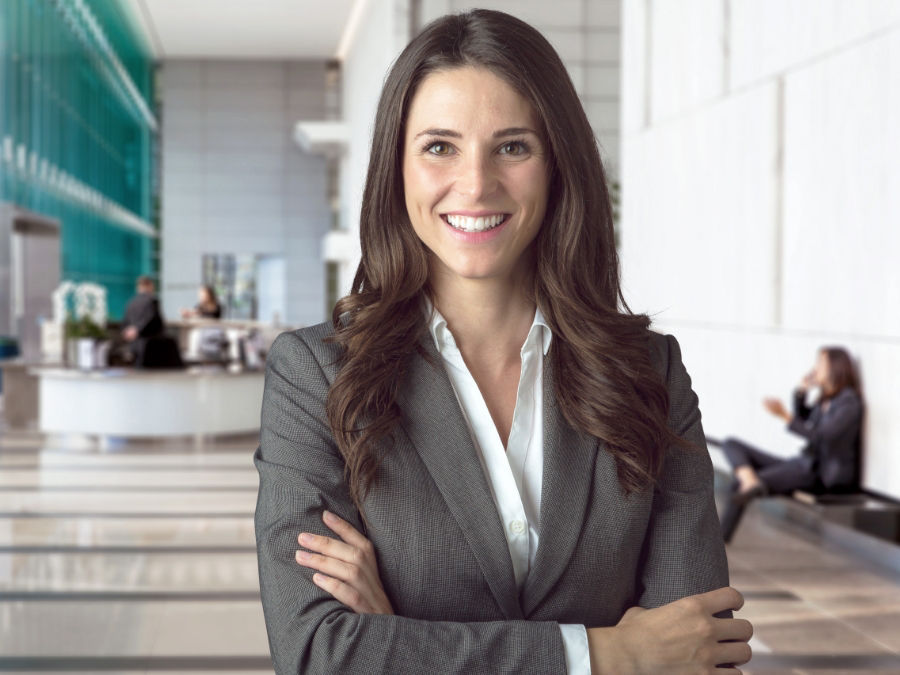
[831, 425]
[207, 307]
[144, 330]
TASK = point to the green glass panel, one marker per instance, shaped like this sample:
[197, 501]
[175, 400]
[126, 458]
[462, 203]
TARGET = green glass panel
[77, 140]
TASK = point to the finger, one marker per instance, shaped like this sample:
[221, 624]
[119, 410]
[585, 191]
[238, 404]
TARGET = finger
[328, 546]
[342, 592]
[345, 530]
[330, 566]
[720, 599]
[733, 629]
[734, 653]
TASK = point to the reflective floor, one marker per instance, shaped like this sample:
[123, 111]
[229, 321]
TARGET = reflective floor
[140, 558]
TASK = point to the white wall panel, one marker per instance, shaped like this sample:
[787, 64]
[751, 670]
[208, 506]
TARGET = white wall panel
[771, 36]
[634, 77]
[687, 58]
[842, 192]
[699, 213]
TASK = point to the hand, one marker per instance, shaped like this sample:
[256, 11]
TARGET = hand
[808, 381]
[130, 333]
[679, 638]
[347, 569]
[776, 407]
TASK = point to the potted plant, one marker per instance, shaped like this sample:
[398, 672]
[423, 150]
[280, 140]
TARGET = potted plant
[84, 324]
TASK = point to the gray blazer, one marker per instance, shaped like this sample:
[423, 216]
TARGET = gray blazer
[442, 554]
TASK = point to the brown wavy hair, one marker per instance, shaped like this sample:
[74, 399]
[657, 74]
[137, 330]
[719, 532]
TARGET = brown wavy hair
[603, 378]
[841, 371]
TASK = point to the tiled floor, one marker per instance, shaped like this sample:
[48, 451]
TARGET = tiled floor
[140, 558]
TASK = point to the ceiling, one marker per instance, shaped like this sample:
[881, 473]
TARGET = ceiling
[244, 29]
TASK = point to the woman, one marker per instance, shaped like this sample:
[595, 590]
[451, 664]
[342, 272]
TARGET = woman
[830, 460]
[208, 306]
[490, 467]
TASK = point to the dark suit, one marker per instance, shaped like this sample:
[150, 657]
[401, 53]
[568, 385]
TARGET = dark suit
[442, 553]
[831, 457]
[142, 312]
[152, 348]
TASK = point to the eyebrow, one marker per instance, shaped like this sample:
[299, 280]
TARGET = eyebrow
[511, 131]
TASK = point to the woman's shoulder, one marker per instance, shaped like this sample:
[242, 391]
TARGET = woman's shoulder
[305, 348]
[664, 351]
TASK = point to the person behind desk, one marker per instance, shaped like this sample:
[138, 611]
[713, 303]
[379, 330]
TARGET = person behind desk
[144, 330]
[208, 306]
[831, 426]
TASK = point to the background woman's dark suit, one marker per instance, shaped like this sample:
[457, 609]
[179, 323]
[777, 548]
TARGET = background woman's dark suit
[443, 556]
[830, 459]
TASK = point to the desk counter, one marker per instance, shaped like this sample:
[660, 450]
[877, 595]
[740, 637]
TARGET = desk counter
[128, 402]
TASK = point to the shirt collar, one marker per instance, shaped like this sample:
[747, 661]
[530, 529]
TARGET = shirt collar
[440, 332]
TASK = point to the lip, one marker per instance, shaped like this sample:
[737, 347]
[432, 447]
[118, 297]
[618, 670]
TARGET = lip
[475, 214]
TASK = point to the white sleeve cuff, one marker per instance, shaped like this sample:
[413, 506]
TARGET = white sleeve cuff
[575, 644]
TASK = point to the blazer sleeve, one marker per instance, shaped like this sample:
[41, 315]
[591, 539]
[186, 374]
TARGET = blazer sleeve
[683, 552]
[801, 410]
[830, 427]
[300, 475]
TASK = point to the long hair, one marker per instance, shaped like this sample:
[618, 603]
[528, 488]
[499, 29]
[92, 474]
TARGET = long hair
[841, 371]
[603, 377]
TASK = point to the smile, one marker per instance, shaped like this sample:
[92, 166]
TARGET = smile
[475, 224]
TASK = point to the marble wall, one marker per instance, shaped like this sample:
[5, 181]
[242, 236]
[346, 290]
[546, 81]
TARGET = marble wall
[235, 182]
[761, 192]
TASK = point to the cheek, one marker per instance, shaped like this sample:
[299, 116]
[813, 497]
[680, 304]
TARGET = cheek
[424, 185]
[530, 184]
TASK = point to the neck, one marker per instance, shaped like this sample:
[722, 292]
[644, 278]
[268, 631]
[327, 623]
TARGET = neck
[489, 318]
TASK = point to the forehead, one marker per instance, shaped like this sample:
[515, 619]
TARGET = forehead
[467, 98]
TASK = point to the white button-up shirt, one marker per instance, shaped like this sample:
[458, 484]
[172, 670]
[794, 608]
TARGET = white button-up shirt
[514, 473]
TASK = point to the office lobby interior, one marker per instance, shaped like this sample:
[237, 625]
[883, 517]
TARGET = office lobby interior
[223, 145]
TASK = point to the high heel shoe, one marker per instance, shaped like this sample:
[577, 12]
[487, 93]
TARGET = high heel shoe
[744, 498]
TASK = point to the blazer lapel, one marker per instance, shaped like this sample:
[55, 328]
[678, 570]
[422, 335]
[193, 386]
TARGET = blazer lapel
[569, 457]
[434, 423]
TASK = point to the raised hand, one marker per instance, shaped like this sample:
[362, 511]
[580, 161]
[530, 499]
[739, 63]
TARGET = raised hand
[680, 638]
[346, 568]
[776, 407]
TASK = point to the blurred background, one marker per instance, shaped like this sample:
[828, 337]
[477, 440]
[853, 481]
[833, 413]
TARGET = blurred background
[215, 152]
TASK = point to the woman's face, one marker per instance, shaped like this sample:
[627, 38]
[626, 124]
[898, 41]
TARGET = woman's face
[475, 174]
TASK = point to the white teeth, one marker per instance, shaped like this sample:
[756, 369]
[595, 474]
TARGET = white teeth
[479, 224]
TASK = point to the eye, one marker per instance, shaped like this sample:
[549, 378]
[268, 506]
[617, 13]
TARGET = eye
[438, 148]
[514, 148]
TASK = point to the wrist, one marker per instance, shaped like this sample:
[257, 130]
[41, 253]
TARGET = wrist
[606, 652]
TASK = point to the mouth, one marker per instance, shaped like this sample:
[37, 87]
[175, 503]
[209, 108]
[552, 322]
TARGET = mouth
[474, 224]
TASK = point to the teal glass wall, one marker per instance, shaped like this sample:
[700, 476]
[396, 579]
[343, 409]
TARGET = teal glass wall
[78, 135]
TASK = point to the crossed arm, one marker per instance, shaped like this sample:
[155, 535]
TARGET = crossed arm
[341, 620]
[681, 635]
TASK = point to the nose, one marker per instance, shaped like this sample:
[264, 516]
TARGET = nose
[477, 176]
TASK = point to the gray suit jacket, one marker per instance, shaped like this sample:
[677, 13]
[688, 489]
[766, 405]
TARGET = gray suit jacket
[442, 554]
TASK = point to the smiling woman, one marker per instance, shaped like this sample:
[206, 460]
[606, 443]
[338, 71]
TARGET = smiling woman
[475, 176]
[486, 462]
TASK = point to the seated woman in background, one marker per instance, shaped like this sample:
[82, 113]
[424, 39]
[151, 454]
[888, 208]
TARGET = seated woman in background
[830, 460]
[208, 306]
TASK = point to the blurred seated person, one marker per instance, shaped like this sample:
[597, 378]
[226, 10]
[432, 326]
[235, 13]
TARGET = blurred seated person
[831, 425]
[208, 306]
[143, 328]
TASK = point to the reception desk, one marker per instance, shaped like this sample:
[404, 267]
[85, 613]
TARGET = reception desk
[147, 403]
